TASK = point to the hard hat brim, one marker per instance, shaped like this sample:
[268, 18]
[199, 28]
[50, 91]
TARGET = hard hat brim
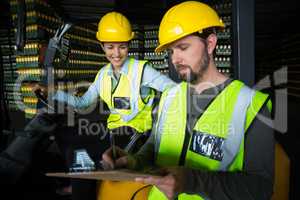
[117, 40]
[164, 46]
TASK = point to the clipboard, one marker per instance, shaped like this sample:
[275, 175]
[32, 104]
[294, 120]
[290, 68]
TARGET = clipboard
[111, 175]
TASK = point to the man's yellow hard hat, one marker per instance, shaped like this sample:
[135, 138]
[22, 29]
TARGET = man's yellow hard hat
[114, 27]
[186, 18]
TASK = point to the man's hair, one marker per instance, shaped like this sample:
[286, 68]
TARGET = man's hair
[206, 32]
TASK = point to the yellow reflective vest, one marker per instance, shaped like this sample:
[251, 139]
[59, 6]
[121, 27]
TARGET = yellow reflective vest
[217, 140]
[125, 103]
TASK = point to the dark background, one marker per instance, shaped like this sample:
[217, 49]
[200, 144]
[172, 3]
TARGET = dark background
[276, 44]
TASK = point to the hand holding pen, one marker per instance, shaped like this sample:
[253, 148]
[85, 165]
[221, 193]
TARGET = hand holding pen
[111, 160]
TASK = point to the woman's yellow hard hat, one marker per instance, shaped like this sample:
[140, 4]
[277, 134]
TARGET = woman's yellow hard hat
[114, 27]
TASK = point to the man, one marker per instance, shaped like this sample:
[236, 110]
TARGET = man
[208, 139]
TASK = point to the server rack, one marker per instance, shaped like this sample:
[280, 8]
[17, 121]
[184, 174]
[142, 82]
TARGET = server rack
[81, 56]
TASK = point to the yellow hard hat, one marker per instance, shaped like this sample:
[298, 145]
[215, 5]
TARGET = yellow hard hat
[114, 27]
[186, 18]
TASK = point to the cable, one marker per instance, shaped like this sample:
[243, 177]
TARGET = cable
[136, 192]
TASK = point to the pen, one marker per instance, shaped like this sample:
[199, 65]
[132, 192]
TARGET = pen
[113, 146]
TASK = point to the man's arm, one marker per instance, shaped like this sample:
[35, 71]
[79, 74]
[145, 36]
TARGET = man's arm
[144, 158]
[140, 161]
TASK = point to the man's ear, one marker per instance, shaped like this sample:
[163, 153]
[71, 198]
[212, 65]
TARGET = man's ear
[211, 43]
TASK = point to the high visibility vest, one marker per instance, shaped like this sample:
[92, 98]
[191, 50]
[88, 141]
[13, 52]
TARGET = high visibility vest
[125, 103]
[217, 139]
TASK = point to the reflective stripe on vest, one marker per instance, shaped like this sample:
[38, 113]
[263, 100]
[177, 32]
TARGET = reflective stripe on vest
[230, 108]
[232, 143]
[137, 113]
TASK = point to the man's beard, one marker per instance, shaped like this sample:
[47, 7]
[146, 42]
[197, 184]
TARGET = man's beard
[195, 77]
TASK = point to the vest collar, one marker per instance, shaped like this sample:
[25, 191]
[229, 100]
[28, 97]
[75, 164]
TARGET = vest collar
[124, 68]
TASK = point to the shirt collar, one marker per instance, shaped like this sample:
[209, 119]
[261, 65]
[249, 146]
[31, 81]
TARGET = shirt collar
[124, 68]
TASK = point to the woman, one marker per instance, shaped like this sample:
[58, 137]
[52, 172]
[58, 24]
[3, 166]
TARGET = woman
[126, 85]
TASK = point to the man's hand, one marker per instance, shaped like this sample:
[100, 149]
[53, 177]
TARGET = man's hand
[171, 184]
[122, 159]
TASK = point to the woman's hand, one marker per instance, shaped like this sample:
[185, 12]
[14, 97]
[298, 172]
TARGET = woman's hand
[42, 89]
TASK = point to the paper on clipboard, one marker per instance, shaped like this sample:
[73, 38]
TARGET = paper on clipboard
[113, 175]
